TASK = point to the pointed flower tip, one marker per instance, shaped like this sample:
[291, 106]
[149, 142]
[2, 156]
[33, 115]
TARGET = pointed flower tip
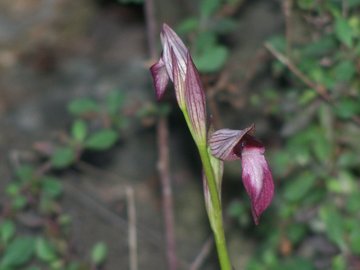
[166, 27]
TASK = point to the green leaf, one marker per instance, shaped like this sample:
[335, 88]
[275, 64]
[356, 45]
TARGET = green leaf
[296, 232]
[51, 187]
[209, 7]
[321, 47]
[33, 268]
[7, 231]
[296, 263]
[25, 173]
[353, 3]
[99, 253]
[306, 4]
[344, 183]
[299, 147]
[212, 59]
[13, 189]
[297, 188]
[278, 42]
[19, 202]
[75, 266]
[188, 25]
[47, 205]
[348, 159]
[236, 209]
[347, 108]
[344, 71]
[308, 96]
[281, 162]
[82, 106]
[355, 240]
[102, 140]
[19, 252]
[224, 25]
[343, 32]
[339, 263]
[353, 202]
[204, 41]
[63, 157]
[333, 224]
[321, 146]
[79, 130]
[45, 251]
[114, 101]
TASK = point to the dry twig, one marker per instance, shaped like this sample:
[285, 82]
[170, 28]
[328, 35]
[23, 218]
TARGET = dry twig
[320, 89]
[204, 253]
[131, 211]
[163, 149]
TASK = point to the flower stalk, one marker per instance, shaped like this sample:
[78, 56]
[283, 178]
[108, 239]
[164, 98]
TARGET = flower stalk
[177, 66]
[214, 202]
[215, 215]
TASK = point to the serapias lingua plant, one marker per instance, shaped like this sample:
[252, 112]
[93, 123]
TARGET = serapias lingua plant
[176, 65]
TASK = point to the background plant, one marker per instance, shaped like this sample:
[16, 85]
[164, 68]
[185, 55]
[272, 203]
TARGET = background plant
[317, 166]
[312, 111]
[33, 228]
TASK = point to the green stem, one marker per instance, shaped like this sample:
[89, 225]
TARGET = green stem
[215, 217]
[217, 222]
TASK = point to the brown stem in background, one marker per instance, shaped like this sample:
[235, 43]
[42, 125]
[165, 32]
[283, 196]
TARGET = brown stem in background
[320, 89]
[164, 172]
[163, 149]
[204, 253]
[131, 211]
[287, 6]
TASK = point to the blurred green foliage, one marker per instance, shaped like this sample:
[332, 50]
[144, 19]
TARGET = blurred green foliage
[316, 169]
[35, 191]
[205, 29]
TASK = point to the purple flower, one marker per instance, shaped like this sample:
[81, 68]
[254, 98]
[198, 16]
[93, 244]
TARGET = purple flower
[173, 60]
[227, 144]
[176, 64]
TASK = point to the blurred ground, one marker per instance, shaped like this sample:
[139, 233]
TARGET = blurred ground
[53, 51]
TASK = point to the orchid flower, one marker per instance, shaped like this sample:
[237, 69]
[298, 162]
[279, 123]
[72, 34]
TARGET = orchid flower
[177, 65]
[227, 144]
[174, 57]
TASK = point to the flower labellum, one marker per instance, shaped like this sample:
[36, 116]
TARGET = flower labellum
[227, 144]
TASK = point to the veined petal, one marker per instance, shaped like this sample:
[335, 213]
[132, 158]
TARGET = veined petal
[160, 78]
[257, 179]
[179, 81]
[195, 101]
[223, 142]
[171, 42]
